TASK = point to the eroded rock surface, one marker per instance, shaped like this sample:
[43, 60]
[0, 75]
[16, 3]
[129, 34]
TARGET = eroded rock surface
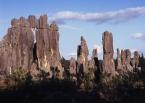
[136, 59]
[128, 61]
[108, 51]
[28, 42]
[119, 63]
[17, 46]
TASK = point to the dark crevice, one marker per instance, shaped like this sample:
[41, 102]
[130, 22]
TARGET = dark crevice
[35, 52]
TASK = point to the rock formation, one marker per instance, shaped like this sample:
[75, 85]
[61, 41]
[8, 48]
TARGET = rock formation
[17, 46]
[30, 43]
[119, 63]
[83, 53]
[91, 69]
[136, 59]
[123, 59]
[84, 47]
[54, 43]
[94, 53]
[128, 61]
[108, 62]
[72, 68]
[82, 62]
[33, 21]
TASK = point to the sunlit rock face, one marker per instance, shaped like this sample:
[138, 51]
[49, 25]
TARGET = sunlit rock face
[54, 43]
[83, 53]
[33, 21]
[47, 39]
[42, 41]
[119, 67]
[108, 51]
[33, 45]
[123, 59]
[128, 61]
[72, 68]
[30, 43]
[136, 59]
[17, 46]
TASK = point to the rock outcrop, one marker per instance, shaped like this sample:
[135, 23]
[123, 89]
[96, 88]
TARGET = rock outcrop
[33, 21]
[128, 61]
[119, 67]
[136, 59]
[30, 43]
[94, 53]
[17, 46]
[47, 38]
[33, 45]
[83, 53]
[82, 62]
[123, 59]
[108, 51]
[72, 68]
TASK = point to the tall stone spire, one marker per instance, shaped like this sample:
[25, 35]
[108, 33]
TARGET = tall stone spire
[119, 67]
[136, 59]
[108, 62]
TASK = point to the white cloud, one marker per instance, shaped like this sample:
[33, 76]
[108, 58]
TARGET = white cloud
[140, 36]
[72, 54]
[133, 50]
[97, 17]
[99, 48]
[69, 27]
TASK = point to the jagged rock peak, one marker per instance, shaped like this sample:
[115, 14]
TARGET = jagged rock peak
[14, 22]
[94, 53]
[84, 47]
[119, 63]
[21, 22]
[107, 42]
[33, 21]
[54, 26]
[43, 22]
[136, 59]
[30, 40]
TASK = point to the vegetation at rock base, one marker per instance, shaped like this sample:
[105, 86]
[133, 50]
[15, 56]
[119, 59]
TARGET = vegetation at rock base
[125, 88]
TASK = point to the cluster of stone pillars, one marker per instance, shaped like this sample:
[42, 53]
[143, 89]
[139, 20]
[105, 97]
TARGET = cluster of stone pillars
[109, 66]
[33, 45]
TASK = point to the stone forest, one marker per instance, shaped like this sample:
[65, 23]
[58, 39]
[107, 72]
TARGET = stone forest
[32, 70]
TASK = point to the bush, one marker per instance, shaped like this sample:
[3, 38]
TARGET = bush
[19, 76]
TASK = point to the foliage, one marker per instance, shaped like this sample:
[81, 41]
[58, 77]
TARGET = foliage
[19, 75]
[126, 80]
[89, 82]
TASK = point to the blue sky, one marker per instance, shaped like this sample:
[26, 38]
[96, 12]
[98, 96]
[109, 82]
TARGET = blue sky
[90, 18]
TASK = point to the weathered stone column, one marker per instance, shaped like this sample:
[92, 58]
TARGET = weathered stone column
[47, 43]
[119, 63]
[17, 46]
[123, 59]
[136, 59]
[72, 68]
[83, 53]
[108, 51]
[128, 61]
[94, 53]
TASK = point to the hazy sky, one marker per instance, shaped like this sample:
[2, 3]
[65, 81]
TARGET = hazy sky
[89, 18]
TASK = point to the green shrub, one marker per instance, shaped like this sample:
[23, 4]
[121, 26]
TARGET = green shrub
[19, 75]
